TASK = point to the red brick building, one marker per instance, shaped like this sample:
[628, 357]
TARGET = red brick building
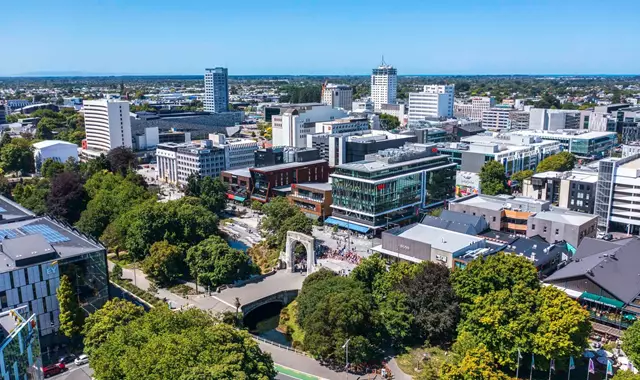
[269, 181]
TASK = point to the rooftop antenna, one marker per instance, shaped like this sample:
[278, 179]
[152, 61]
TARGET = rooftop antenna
[383, 63]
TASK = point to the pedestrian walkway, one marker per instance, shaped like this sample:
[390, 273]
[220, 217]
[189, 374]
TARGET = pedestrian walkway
[295, 374]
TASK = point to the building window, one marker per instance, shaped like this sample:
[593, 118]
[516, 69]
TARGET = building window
[494, 218]
[533, 226]
[544, 229]
[557, 231]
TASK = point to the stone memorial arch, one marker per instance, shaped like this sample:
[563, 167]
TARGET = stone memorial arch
[309, 243]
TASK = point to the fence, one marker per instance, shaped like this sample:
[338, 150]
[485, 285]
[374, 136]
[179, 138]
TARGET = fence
[261, 339]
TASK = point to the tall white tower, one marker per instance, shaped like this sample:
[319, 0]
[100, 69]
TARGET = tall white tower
[384, 85]
[107, 124]
[216, 90]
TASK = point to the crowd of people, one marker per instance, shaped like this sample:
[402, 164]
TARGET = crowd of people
[341, 254]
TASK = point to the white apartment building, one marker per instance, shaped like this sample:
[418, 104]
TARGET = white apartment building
[474, 109]
[347, 124]
[107, 124]
[216, 90]
[396, 110]
[56, 150]
[618, 194]
[292, 126]
[238, 153]
[435, 101]
[497, 118]
[384, 85]
[542, 119]
[337, 95]
[176, 162]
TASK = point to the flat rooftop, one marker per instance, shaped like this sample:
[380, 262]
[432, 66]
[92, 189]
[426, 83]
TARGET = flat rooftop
[322, 186]
[582, 176]
[566, 216]
[569, 133]
[289, 165]
[438, 238]
[11, 211]
[500, 202]
[244, 172]
[634, 164]
[374, 165]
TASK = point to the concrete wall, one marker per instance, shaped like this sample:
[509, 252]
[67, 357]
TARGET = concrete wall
[406, 246]
[492, 217]
[553, 231]
[472, 162]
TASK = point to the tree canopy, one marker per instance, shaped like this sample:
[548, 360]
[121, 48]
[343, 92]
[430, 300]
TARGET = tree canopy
[165, 263]
[214, 263]
[103, 322]
[493, 179]
[559, 162]
[389, 122]
[211, 191]
[186, 345]
[631, 343]
[67, 197]
[280, 217]
[71, 315]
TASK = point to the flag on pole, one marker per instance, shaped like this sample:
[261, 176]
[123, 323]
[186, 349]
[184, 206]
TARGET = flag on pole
[592, 368]
[552, 365]
[609, 368]
[519, 355]
[533, 362]
[572, 364]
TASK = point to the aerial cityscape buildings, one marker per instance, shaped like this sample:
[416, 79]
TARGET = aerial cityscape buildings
[216, 90]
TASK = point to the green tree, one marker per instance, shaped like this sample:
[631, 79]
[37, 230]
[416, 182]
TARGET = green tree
[165, 263]
[548, 101]
[214, 263]
[71, 315]
[617, 96]
[211, 191]
[493, 179]
[45, 128]
[491, 274]
[560, 162]
[631, 343]
[51, 167]
[113, 314]
[522, 175]
[280, 217]
[389, 122]
[17, 156]
[370, 271]
[625, 375]
[116, 272]
[186, 345]
[256, 206]
[478, 364]
[33, 195]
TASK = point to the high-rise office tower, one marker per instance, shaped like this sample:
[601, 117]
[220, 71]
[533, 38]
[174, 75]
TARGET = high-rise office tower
[435, 101]
[216, 90]
[384, 85]
[107, 124]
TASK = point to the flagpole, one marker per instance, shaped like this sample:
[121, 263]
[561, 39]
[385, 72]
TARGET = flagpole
[518, 366]
[532, 367]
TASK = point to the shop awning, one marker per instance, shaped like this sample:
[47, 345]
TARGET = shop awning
[602, 300]
[341, 223]
[234, 197]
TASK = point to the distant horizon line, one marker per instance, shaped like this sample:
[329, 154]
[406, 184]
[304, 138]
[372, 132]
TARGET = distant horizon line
[99, 75]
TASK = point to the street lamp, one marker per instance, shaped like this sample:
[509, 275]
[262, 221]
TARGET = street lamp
[346, 358]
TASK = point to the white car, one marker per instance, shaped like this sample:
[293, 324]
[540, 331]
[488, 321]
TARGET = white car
[82, 359]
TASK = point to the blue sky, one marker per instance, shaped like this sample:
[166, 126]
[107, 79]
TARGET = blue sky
[319, 36]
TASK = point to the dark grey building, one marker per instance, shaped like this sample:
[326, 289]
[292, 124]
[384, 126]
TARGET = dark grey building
[281, 155]
[457, 221]
[199, 124]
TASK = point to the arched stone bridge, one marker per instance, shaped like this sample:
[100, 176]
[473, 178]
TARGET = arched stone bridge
[283, 297]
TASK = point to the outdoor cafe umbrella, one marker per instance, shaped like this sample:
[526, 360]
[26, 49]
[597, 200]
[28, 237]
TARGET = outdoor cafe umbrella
[604, 353]
[589, 354]
[602, 360]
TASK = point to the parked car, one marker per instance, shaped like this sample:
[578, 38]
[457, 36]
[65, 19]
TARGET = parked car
[82, 359]
[607, 237]
[66, 359]
[53, 369]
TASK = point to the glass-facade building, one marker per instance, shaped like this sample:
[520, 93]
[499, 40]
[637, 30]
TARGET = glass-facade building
[391, 187]
[20, 356]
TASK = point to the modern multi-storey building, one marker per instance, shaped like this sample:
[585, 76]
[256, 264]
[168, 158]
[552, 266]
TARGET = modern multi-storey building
[473, 110]
[313, 199]
[363, 105]
[514, 152]
[291, 127]
[618, 194]
[542, 119]
[4, 111]
[107, 124]
[337, 95]
[630, 149]
[434, 101]
[176, 162]
[528, 217]
[284, 155]
[36, 252]
[384, 85]
[238, 153]
[504, 117]
[342, 148]
[270, 181]
[583, 144]
[519, 119]
[390, 187]
[574, 190]
[20, 355]
[216, 90]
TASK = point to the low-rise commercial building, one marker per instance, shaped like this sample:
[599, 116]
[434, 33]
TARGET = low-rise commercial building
[347, 124]
[269, 181]
[291, 127]
[474, 108]
[391, 186]
[603, 277]
[198, 124]
[238, 153]
[363, 105]
[574, 190]
[631, 149]
[528, 217]
[313, 199]
[282, 155]
[238, 182]
[583, 144]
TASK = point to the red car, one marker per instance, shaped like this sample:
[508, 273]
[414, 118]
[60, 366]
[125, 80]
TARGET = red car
[53, 369]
